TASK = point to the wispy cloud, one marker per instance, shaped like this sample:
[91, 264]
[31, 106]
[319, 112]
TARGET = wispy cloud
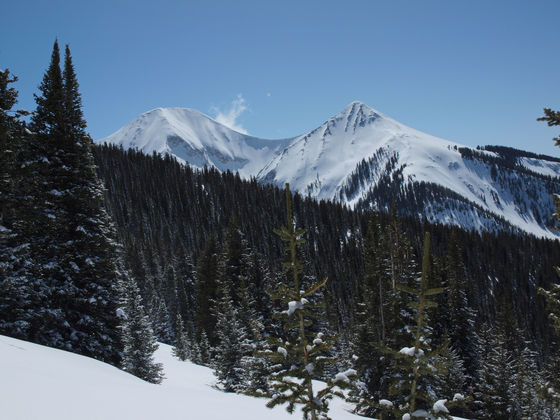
[230, 116]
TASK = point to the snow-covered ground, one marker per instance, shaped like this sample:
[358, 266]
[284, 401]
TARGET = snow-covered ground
[40, 383]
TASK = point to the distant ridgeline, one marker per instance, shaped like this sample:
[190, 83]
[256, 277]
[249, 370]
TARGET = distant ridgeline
[166, 213]
[367, 160]
[513, 174]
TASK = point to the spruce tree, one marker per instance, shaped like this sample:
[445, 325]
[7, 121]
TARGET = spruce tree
[420, 367]
[206, 293]
[495, 375]
[552, 118]
[301, 352]
[181, 348]
[49, 118]
[21, 291]
[137, 335]
[373, 313]
[67, 294]
[461, 317]
[232, 343]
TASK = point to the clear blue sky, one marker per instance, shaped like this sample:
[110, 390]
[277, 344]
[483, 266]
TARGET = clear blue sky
[475, 72]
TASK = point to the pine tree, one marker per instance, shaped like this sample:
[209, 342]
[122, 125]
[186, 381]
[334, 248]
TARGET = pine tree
[419, 367]
[373, 314]
[254, 363]
[495, 375]
[74, 261]
[20, 291]
[137, 335]
[552, 118]
[526, 382]
[232, 343]
[181, 348]
[49, 118]
[301, 352]
[206, 292]
[461, 317]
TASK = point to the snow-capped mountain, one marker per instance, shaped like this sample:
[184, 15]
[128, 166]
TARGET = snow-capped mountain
[366, 159]
[195, 138]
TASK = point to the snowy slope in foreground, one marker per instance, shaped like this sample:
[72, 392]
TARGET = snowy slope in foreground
[38, 382]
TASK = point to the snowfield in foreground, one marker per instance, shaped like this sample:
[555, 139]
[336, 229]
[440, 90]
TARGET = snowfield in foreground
[38, 382]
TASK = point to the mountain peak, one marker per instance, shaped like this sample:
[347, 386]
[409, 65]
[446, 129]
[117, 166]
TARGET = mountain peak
[356, 114]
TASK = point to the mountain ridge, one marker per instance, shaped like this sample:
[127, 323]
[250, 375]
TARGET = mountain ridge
[325, 163]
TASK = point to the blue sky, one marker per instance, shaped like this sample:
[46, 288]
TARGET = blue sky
[475, 72]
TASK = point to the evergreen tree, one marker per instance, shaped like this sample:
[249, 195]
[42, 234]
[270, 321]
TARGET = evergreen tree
[526, 382]
[373, 313]
[20, 291]
[73, 258]
[49, 118]
[461, 317]
[181, 348]
[301, 352]
[552, 118]
[137, 335]
[206, 292]
[419, 367]
[495, 376]
[256, 368]
[232, 343]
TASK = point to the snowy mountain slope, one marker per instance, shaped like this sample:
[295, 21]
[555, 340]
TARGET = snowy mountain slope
[352, 154]
[43, 383]
[195, 138]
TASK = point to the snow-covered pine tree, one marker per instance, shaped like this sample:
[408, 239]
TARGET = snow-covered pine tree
[301, 352]
[181, 348]
[255, 365]
[461, 332]
[73, 261]
[21, 290]
[205, 288]
[137, 335]
[418, 367]
[372, 314]
[232, 343]
[493, 393]
[160, 319]
[525, 387]
[552, 297]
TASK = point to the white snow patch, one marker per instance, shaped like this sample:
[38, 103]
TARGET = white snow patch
[439, 407]
[412, 351]
[345, 376]
[66, 386]
[385, 403]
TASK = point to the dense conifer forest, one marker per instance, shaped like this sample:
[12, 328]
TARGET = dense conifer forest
[105, 251]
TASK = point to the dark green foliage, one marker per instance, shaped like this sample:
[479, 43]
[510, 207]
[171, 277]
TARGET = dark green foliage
[419, 367]
[176, 210]
[20, 292]
[49, 116]
[495, 374]
[137, 335]
[64, 262]
[301, 352]
[552, 118]
[232, 343]
[460, 316]
[206, 291]
[181, 348]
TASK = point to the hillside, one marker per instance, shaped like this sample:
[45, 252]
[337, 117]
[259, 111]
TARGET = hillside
[67, 386]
